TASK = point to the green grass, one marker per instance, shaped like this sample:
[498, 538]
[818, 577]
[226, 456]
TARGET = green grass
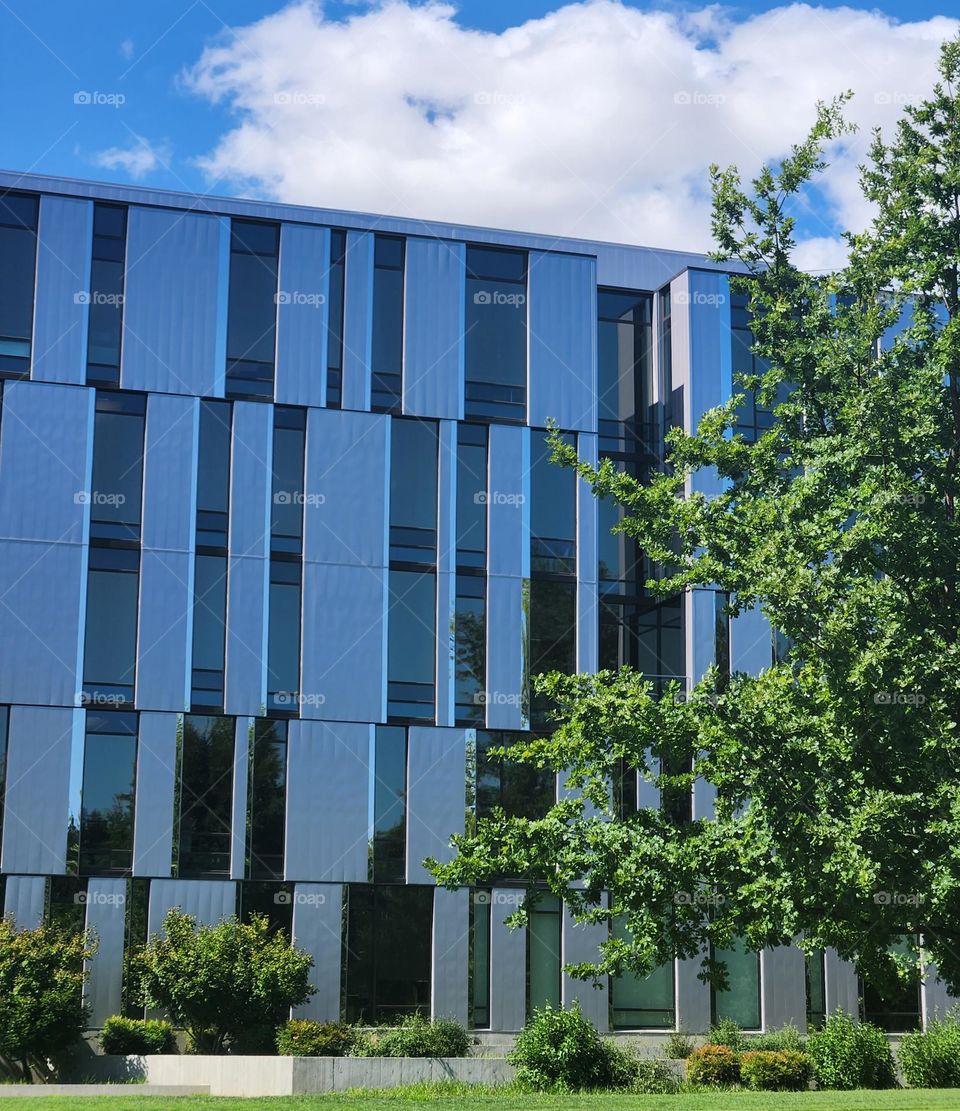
[435, 1097]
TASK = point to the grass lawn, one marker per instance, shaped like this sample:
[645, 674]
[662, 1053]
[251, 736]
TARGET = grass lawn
[432, 1099]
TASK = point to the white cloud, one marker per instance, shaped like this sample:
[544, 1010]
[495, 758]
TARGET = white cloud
[137, 160]
[597, 120]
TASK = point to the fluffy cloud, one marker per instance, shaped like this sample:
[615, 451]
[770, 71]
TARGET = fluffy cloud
[598, 120]
[136, 160]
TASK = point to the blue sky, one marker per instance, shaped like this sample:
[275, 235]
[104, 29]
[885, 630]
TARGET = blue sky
[123, 91]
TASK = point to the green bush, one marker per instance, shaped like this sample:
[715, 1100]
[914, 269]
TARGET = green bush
[784, 1070]
[729, 1033]
[678, 1045]
[560, 1050]
[137, 1036]
[301, 1037]
[848, 1054]
[654, 1078]
[416, 1036]
[931, 1059]
[787, 1037]
[713, 1066]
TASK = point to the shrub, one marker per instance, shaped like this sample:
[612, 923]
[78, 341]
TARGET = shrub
[416, 1036]
[848, 1054]
[729, 1033]
[678, 1045]
[654, 1078]
[714, 1066]
[42, 1013]
[560, 1050]
[301, 1037]
[784, 1070]
[932, 1059]
[787, 1037]
[137, 1036]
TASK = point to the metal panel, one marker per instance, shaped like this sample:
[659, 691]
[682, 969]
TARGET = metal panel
[106, 915]
[562, 319]
[347, 488]
[301, 374]
[507, 613]
[156, 783]
[588, 646]
[344, 668]
[357, 320]
[436, 795]
[208, 901]
[581, 944]
[249, 570]
[37, 805]
[46, 455]
[508, 501]
[328, 772]
[446, 676]
[61, 313]
[508, 966]
[317, 915]
[24, 900]
[173, 300]
[935, 1000]
[841, 986]
[170, 472]
[693, 997]
[434, 328]
[450, 955]
[783, 987]
[243, 738]
[751, 642]
[165, 630]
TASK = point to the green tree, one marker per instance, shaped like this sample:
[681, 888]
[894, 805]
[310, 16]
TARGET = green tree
[836, 769]
[230, 985]
[42, 1013]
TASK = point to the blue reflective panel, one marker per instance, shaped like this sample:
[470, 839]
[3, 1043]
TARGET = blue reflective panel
[252, 314]
[283, 650]
[495, 345]
[267, 806]
[117, 471]
[109, 775]
[413, 490]
[412, 644]
[553, 514]
[206, 796]
[110, 646]
[213, 473]
[471, 495]
[389, 804]
[289, 439]
[387, 351]
[18, 250]
[209, 625]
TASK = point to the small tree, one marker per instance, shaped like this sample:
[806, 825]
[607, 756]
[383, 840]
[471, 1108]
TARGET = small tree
[230, 986]
[42, 1013]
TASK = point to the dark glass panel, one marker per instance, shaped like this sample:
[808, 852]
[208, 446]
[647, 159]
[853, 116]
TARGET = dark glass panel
[543, 956]
[338, 246]
[115, 497]
[272, 899]
[209, 625]
[496, 334]
[741, 1001]
[470, 649]
[252, 309]
[283, 641]
[18, 250]
[480, 959]
[412, 644]
[110, 645]
[553, 511]
[471, 495]
[520, 790]
[413, 491]
[206, 795]
[389, 805]
[213, 480]
[267, 803]
[289, 443]
[646, 1003]
[107, 794]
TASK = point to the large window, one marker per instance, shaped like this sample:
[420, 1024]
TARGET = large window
[480, 959]
[627, 417]
[413, 492]
[106, 294]
[115, 497]
[252, 310]
[898, 1008]
[109, 776]
[543, 953]
[642, 1003]
[110, 644]
[205, 796]
[4, 728]
[496, 334]
[741, 1000]
[520, 790]
[267, 800]
[816, 981]
[411, 649]
[753, 417]
[387, 951]
[213, 480]
[470, 614]
[386, 388]
[338, 254]
[388, 851]
[18, 249]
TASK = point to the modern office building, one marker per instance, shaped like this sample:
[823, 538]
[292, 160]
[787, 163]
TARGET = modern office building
[280, 547]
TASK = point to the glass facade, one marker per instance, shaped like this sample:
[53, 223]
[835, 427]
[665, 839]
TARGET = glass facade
[205, 796]
[107, 794]
[106, 294]
[496, 334]
[740, 1002]
[267, 800]
[544, 949]
[388, 857]
[338, 273]
[252, 310]
[386, 392]
[19, 214]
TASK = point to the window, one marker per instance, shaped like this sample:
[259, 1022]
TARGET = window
[18, 249]
[134, 935]
[496, 334]
[388, 855]
[471, 496]
[413, 492]
[553, 636]
[386, 362]
[338, 252]
[270, 898]
[721, 634]
[627, 418]
[110, 644]
[619, 560]
[267, 800]
[470, 613]
[66, 903]
[205, 796]
[644, 634]
[252, 309]
[387, 952]
[480, 960]
[283, 637]
[106, 294]
[895, 1009]
[289, 443]
[641, 1003]
[107, 794]
[411, 648]
[213, 480]
[741, 1001]
[520, 790]
[553, 511]
[543, 953]
[115, 498]
[816, 989]
[470, 629]
[4, 729]
[753, 417]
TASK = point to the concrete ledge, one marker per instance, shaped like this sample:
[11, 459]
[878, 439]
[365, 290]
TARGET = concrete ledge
[41, 1091]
